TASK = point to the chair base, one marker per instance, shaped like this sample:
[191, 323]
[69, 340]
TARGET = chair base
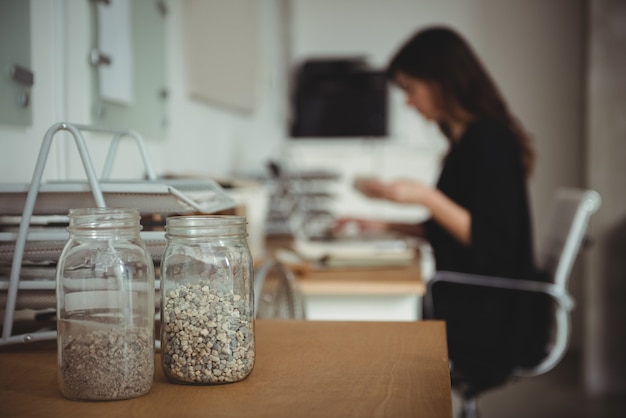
[469, 409]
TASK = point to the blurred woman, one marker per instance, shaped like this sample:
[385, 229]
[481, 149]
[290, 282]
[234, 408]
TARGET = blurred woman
[480, 214]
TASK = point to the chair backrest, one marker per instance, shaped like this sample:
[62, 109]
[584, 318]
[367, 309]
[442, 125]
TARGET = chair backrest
[571, 211]
[566, 231]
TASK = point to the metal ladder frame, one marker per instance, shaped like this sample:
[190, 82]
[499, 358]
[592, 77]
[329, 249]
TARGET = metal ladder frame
[76, 132]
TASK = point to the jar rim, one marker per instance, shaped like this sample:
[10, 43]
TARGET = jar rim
[205, 220]
[103, 211]
[104, 218]
[193, 225]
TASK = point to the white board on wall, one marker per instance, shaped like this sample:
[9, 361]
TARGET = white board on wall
[222, 51]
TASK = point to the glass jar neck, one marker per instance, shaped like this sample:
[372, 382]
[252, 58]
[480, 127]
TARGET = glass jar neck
[104, 222]
[206, 226]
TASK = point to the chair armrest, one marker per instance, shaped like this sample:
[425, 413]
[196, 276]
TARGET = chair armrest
[559, 294]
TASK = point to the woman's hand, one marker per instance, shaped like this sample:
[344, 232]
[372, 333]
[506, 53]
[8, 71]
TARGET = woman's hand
[370, 187]
[449, 214]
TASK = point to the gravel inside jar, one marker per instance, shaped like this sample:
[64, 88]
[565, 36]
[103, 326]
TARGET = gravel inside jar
[207, 335]
[108, 365]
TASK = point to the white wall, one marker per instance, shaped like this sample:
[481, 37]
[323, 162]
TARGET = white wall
[199, 138]
[605, 289]
[219, 141]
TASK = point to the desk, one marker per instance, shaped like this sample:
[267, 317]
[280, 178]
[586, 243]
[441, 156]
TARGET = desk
[364, 280]
[391, 293]
[372, 294]
[303, 369]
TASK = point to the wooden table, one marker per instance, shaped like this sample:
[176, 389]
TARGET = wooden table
[303, 369]
[373, 293]
[400, 280]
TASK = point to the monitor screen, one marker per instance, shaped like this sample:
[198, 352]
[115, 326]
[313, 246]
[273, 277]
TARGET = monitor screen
[339, 98]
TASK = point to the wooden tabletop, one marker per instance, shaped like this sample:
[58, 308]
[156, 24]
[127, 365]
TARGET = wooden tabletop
[303, 369]
[355, 280]
[400, 280]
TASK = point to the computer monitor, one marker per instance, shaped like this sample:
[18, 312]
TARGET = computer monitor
[339, 98]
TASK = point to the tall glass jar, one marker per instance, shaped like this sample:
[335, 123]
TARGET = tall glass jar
[105, 307]
[207, 303]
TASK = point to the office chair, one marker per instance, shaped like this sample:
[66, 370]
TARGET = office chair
[560, 246]
[277, 293]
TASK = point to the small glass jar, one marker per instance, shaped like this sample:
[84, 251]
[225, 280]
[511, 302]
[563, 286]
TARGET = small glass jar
[105, 307]
[207, 303]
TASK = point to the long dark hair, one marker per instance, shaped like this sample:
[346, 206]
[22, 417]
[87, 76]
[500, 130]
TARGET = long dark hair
[441, 57]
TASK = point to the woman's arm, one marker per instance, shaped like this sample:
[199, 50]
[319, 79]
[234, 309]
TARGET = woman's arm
[450, 215]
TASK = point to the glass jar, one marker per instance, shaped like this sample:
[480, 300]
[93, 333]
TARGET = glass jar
[207, 303]
[105, 307]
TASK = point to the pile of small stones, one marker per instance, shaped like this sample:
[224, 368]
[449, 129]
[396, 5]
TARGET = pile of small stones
[207, 335]
[108, 365]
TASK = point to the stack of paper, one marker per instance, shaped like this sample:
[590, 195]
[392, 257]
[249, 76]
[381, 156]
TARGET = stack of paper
[355, 252]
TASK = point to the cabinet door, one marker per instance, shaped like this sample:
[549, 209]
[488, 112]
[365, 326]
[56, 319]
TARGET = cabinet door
[146, 112]
[16, 77]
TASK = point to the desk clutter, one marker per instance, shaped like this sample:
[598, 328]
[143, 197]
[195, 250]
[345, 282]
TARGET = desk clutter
[77, 252]
[387, 251]
[299, 201]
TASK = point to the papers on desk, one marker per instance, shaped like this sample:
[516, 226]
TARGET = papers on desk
[353, 252]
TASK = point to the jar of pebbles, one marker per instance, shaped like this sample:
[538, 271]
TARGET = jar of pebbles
[207, 303]
[105, 307]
